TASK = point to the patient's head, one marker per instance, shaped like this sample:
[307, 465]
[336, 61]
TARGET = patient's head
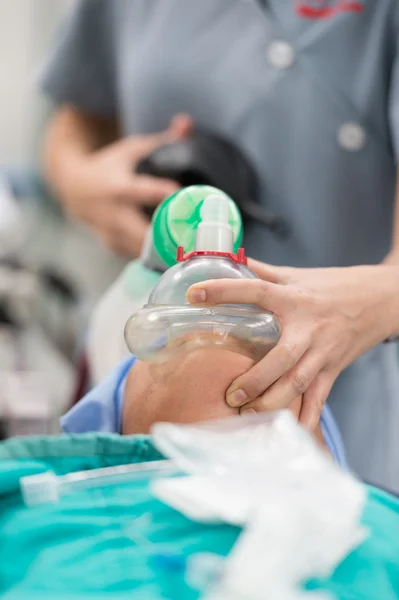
[187, 389]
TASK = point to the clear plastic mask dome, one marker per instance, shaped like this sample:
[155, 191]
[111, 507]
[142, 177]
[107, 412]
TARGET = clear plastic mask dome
[169, 324]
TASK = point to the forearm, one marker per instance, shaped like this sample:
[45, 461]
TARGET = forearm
[72, 135]
[393, 256]
[391, 312]
[383, 310]
[391, 261]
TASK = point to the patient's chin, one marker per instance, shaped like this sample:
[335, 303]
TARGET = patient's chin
[187, 391]
[141, 424]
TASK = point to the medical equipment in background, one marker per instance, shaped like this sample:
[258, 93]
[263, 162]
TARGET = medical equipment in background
[36, 325]
[168, 324]
[36, 378]
[208, 158]
[28, 286]
[40, 294]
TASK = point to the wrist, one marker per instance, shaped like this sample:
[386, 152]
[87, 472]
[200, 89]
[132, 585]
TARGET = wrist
[387, 287]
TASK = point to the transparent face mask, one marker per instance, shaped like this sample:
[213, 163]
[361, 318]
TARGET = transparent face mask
[161, 333]
[169, 325]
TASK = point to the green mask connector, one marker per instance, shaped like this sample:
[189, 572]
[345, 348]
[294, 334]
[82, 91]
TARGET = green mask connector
[176, 220]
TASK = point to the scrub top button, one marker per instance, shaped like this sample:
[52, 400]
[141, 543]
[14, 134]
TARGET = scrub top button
[351, 137]
[280, 54]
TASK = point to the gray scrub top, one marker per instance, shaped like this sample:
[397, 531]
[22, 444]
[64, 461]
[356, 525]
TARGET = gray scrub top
[310, 91]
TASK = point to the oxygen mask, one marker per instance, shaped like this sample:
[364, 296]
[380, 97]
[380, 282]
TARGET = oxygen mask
[168, 324]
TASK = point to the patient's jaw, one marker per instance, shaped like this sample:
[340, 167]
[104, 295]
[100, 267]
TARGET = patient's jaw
[187, 389]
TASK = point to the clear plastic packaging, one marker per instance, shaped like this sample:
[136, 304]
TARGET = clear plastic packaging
[300, 512]
[203, 570]
[245, 445]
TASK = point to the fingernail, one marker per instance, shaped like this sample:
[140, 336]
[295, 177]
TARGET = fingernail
[247, 411]
[236, 398]
[196, 295]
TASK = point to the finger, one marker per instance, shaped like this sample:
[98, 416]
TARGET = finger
[132, 226]
[267, 272]
[110, 242]
[290, 386]
[144, 190]
[295, 407]
[125, 234]
[266, 295]
[151, 190]
[180, 126]
[314, 400]
[281, 359]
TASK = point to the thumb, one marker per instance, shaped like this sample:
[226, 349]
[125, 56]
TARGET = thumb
[180, 127]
